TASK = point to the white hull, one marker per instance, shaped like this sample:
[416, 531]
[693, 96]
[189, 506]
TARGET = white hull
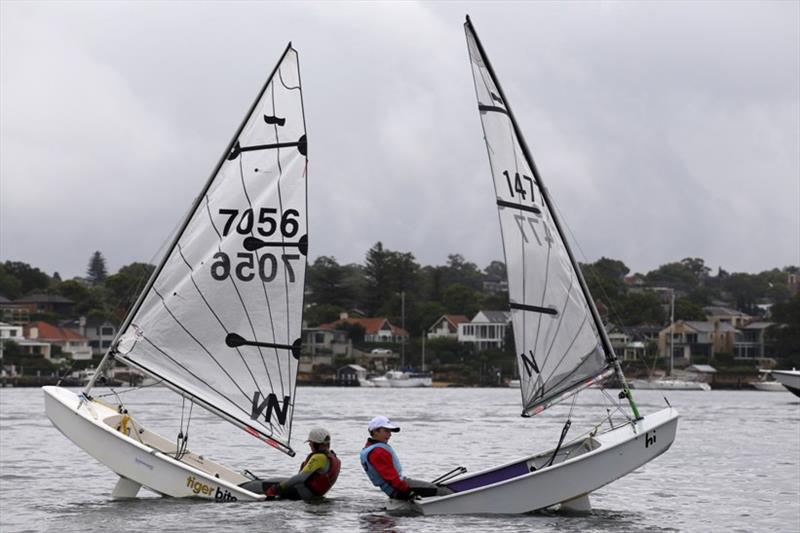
[768, 386]
[668, 384]
[581, 467]
[401, 380]
[141, 459]
[789, 379]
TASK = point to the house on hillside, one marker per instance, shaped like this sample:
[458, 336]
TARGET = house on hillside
[751, 341]
[446, 326]
[691, 337]
[377, 329]
[13, 313]
[100, 332]
[72, 343]
[726, 315]
[634, 343]
[487, 329]
[45, 303]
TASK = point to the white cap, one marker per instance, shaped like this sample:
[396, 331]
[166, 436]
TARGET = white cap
[382, 422]
[319, 436]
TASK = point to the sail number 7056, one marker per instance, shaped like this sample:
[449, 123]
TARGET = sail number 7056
[246, 268]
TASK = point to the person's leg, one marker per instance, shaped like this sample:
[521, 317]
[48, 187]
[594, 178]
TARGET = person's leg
[260, 486]
[426, 488]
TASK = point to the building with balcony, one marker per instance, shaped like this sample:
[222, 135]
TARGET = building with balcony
[72, 343]
[487, 329]
[446, 326]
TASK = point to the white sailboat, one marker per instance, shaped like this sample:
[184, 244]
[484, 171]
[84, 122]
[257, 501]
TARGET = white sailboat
[219, 320]
[560, 341]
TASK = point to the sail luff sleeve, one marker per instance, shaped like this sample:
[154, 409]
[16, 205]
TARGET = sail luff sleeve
[558, 351]
[205, 307]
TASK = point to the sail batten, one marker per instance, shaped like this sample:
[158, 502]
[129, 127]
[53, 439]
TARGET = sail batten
[557, 333]
[220, 319]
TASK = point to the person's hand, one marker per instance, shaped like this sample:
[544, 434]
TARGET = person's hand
[272, 492]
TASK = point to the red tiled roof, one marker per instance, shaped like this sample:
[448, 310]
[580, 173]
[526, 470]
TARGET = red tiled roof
[456, 319]
[371, 325]
[49, 332]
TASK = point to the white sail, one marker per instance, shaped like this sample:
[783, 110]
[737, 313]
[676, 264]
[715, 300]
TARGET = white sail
[220, 320]
[557, 338]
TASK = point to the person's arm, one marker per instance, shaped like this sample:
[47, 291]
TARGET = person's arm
[318, 461]
[381, 460]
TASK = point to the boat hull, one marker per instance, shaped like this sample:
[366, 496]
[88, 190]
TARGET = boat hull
[668, 384]
[789, 379]
[613, 455]
[140, 459]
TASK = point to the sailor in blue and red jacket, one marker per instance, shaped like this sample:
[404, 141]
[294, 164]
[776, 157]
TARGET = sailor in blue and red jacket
[383, 468]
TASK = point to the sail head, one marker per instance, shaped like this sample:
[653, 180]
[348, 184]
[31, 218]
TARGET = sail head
[557, 339]
[220, 322]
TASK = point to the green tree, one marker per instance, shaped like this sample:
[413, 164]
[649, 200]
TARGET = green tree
[462, 272]
[28, 278]
[685, 309]
[317, 314]
[496, 270]
[644, 308]
[461, 300]
[124, 286]
[605, 279]
[785, 334]
[325, 279]
[96, 271]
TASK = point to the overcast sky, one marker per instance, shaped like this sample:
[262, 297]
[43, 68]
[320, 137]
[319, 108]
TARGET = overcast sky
[663, 130]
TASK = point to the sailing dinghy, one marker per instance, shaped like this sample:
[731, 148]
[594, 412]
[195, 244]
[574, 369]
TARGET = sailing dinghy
[219, 321]
[561, 344]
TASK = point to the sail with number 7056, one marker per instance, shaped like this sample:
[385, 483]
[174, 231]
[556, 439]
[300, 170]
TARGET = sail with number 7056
[219, 321]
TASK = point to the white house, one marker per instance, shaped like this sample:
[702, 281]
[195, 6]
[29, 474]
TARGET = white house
[446, 326]
[487, 329]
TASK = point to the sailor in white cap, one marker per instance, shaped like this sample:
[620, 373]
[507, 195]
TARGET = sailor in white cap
[383, 468]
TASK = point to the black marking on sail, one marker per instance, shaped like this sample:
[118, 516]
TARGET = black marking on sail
[232, 340]
[271, 405]
[529, 364]
[251, 244]
[496, 98]
[274, 120]
[534, 308]
[238, 148]
[297, 346]
[484, 108]
[528, 208]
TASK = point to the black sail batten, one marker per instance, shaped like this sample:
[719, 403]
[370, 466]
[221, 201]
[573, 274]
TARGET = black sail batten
[481, 66]
[234, 260]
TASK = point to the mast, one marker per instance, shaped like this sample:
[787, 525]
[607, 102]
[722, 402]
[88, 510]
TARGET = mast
[612, 358]
[198, 200]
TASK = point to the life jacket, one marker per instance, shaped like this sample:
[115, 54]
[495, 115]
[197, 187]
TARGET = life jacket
[320, 482]
[373, 474]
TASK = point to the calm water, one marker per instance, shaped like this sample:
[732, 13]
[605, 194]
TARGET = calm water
[735, 465]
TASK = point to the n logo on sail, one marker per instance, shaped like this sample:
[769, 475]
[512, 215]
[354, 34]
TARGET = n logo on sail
[270, 403]
[530, 364]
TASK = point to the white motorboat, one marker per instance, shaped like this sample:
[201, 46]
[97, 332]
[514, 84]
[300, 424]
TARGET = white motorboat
[219, 321]
[789, 379]
[397, 379]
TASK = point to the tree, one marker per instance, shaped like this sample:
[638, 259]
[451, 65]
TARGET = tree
[458, 299]
[605, 279]
[28, 279]
[460, 271]
[96, 272]
[388, 273]
[496, 270]
[786, 333]
[325, 279]
[125, 285]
